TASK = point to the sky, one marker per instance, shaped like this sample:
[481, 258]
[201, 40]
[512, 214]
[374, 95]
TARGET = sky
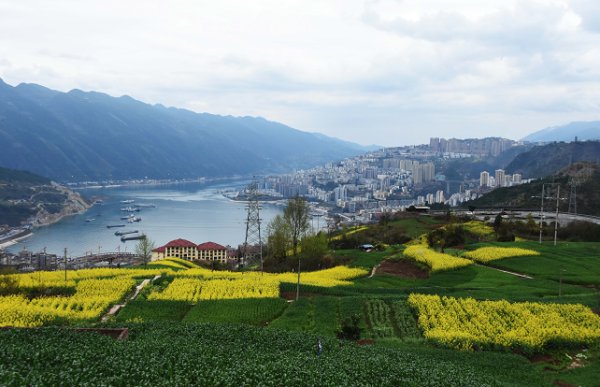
[389, 72]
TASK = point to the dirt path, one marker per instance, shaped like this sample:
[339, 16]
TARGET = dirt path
[115, 308]
[507, 272]
[373, 270]
[402, 268]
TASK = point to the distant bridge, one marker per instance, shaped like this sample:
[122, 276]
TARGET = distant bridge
[109, 257]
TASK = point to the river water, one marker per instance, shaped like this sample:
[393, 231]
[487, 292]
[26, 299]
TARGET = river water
[195, 211]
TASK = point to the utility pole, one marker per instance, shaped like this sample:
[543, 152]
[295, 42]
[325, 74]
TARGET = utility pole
[65, 264]
[253, 237]
[542, 214]
[546, 191]
[556, 218]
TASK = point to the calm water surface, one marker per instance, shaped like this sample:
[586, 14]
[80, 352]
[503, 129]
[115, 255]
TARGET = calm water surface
[194, 211]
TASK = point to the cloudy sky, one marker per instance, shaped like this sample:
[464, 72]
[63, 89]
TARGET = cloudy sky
[374, 72]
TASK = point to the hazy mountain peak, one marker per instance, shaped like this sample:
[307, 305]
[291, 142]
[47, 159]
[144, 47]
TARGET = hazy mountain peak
[583, 130]
[88, 135]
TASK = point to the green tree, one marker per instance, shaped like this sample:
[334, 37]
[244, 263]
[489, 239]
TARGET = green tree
[278, 238]
[531, 225]
[144, 249]
[312, 249]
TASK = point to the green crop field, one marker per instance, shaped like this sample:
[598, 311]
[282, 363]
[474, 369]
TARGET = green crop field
[249, 311]
[214, 354]
[575, 262]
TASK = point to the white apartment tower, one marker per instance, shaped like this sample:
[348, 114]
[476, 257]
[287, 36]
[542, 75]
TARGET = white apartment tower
[484, 179]
[499, 177]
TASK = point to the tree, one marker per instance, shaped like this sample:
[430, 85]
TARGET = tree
[498, 222]
[278, 238]
[350, 328]
[531, 225]
[296, 215]
[313, 249]
[447, 236]
[144, 249]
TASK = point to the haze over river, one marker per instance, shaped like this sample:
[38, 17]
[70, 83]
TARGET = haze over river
[195, 211]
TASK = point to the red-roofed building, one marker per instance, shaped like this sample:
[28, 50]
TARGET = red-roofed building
[182, 248]
[211, 251]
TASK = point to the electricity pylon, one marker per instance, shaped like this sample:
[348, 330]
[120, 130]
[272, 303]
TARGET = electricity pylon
[253, 241]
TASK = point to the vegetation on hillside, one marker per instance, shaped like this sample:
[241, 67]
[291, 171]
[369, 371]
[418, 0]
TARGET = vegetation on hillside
[24, 194]
[527, 196]
[546, 160]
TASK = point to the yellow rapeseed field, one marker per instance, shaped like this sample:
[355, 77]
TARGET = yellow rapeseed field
[480, 229]
[92, 297]
[436, 261]
[465, 323]
[203, 284]
[93, 291]
[487, 254]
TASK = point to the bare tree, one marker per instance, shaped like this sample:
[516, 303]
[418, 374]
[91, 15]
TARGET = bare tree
[296, 215]
[144, 249]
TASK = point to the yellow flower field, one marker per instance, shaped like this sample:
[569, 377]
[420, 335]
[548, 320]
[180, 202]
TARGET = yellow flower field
[487, 254]
[203, 284]
[92, 297]
[465, 323]
[436, 261]
[95, 290]
[196, 289]
[480, 229]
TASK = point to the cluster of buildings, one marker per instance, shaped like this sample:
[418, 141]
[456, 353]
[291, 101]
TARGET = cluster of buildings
[489, 146]
[367, 183]
[388, 179]
[391, 179]
[500, 179]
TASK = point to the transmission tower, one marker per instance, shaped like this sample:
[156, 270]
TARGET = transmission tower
[573, 197]
[253, 241]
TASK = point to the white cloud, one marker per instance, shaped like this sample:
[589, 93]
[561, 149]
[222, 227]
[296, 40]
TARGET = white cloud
[387, 72]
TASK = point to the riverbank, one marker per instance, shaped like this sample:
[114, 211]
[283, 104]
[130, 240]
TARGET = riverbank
[74, 204]
[151, 182]
[7, 242]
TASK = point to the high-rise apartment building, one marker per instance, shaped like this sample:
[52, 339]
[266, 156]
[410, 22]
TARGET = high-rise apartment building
[499, 176]
[484, 179]
[439, 197]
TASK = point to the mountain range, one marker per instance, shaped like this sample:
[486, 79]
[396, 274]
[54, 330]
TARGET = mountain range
[582, 130]
[78, 136]
[545, 160]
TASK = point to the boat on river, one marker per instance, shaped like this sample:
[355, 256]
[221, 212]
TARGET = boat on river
[133, 237]
[120, 233]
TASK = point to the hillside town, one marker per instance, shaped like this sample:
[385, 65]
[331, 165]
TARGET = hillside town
[392, 179]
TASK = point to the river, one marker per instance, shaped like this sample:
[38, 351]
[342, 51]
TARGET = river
[195, 211]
